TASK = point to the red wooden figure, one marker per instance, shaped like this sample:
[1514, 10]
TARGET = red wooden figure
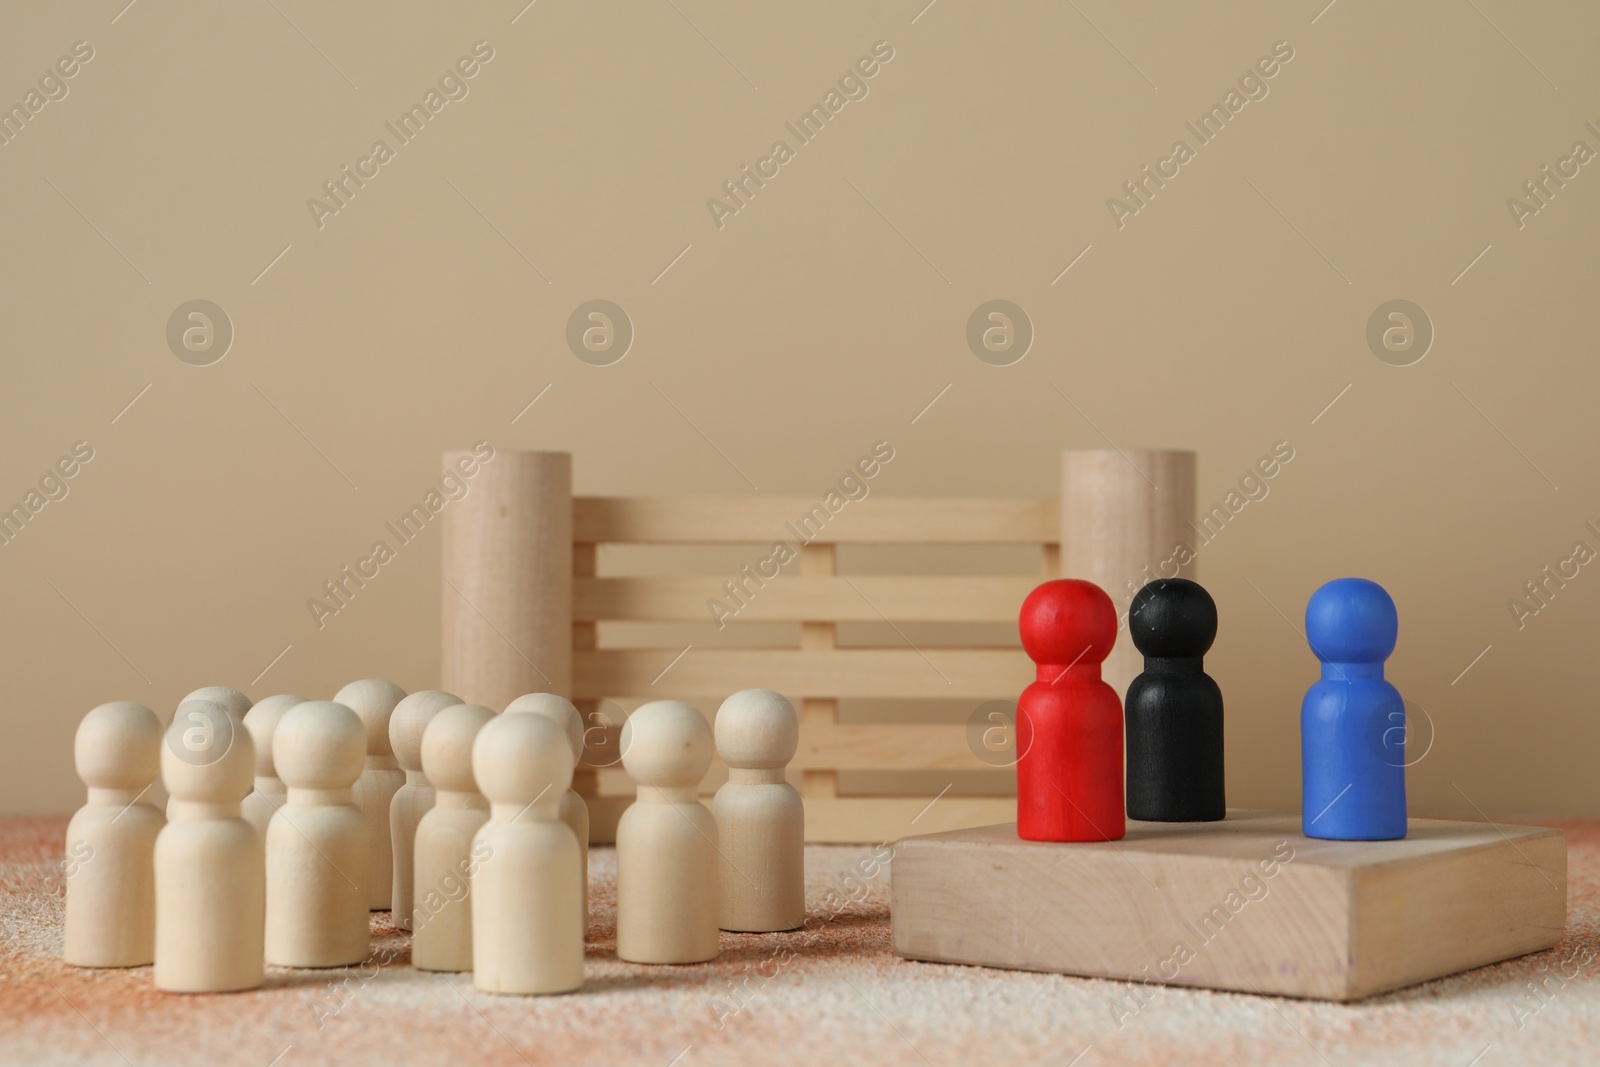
[1069, 721]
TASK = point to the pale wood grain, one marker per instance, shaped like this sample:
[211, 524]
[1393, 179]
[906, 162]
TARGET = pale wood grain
[819, 710]
[760, 817]
[1335, 920]
[864, 598]
[1123, 511]
[506, 593]
[319, 844]
[111, 840]
[668, 870]
[1118, 512]
[826, 745]
[969, 674]
[528, 912]
[761, 520]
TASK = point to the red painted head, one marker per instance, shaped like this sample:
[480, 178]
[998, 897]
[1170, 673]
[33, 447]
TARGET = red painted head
[1068, 621]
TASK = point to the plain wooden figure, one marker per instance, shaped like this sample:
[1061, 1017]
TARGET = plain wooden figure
[1352, 721]
[444, 861]
[574, 812]
[269, 793]
[374, 700]
[235, 703]
[210, 869]
[1174, 708]
[109, 867]
[319, 850]
[1069, 721]
[413, 799]
[527, 917]
[761, 821]
[668, 874]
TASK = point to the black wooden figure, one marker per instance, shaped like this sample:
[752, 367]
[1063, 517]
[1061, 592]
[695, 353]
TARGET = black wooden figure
[1174, 709]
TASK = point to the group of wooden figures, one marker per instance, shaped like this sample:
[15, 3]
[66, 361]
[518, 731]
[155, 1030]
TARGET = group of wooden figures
[463, 823]
[459, 821]
[1074, 746]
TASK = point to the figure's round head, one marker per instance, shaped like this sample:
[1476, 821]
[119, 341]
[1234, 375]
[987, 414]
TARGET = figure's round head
[447, 746]
[410, 718]
[521, 758]
[319, 745]
[262, 722]
[374, 700]
[118, 746]
[207, 756]
[666, 743]
[757, 728]
[557, 709]
[1351, 620]
[231, 700]
[1172, 618]
[1068, 621]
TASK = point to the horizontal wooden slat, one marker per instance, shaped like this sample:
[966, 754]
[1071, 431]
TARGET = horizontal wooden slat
[886, 747]
[976, 674]
[868, 598]
[858, 747]
[852, 820]
[763, 520]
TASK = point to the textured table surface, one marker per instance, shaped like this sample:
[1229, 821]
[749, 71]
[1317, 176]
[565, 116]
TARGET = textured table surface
[833, 993]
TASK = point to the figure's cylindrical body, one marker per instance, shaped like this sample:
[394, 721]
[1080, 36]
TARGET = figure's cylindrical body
[667, 879]
[1353, 756]
[411, 802]
[110, 878]
[507, 589]
[762, 823]
[1126, 518]
[444, 862]
[211, 903]
[1069, 779]
[262, 804]
[444, 868]
[408, 726]
[373, 795]
[526, 937]
[318, 859]
[1174, 729]
[374, 700]
[575, 813]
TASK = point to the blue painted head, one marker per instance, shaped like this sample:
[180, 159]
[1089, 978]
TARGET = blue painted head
[1351, 620]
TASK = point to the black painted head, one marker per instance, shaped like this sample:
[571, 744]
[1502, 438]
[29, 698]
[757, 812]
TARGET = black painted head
[1172, 618]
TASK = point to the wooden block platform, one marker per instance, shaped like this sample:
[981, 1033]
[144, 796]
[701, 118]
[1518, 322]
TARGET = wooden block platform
[1247, 904]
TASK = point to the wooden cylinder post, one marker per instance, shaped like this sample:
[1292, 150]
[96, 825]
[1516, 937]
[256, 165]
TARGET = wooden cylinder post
[507, 589]
[1125, 519]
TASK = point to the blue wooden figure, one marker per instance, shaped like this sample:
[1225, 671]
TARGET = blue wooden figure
[1352, 722]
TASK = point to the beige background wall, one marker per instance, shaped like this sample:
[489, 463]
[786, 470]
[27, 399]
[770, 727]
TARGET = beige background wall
[1224, 316]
